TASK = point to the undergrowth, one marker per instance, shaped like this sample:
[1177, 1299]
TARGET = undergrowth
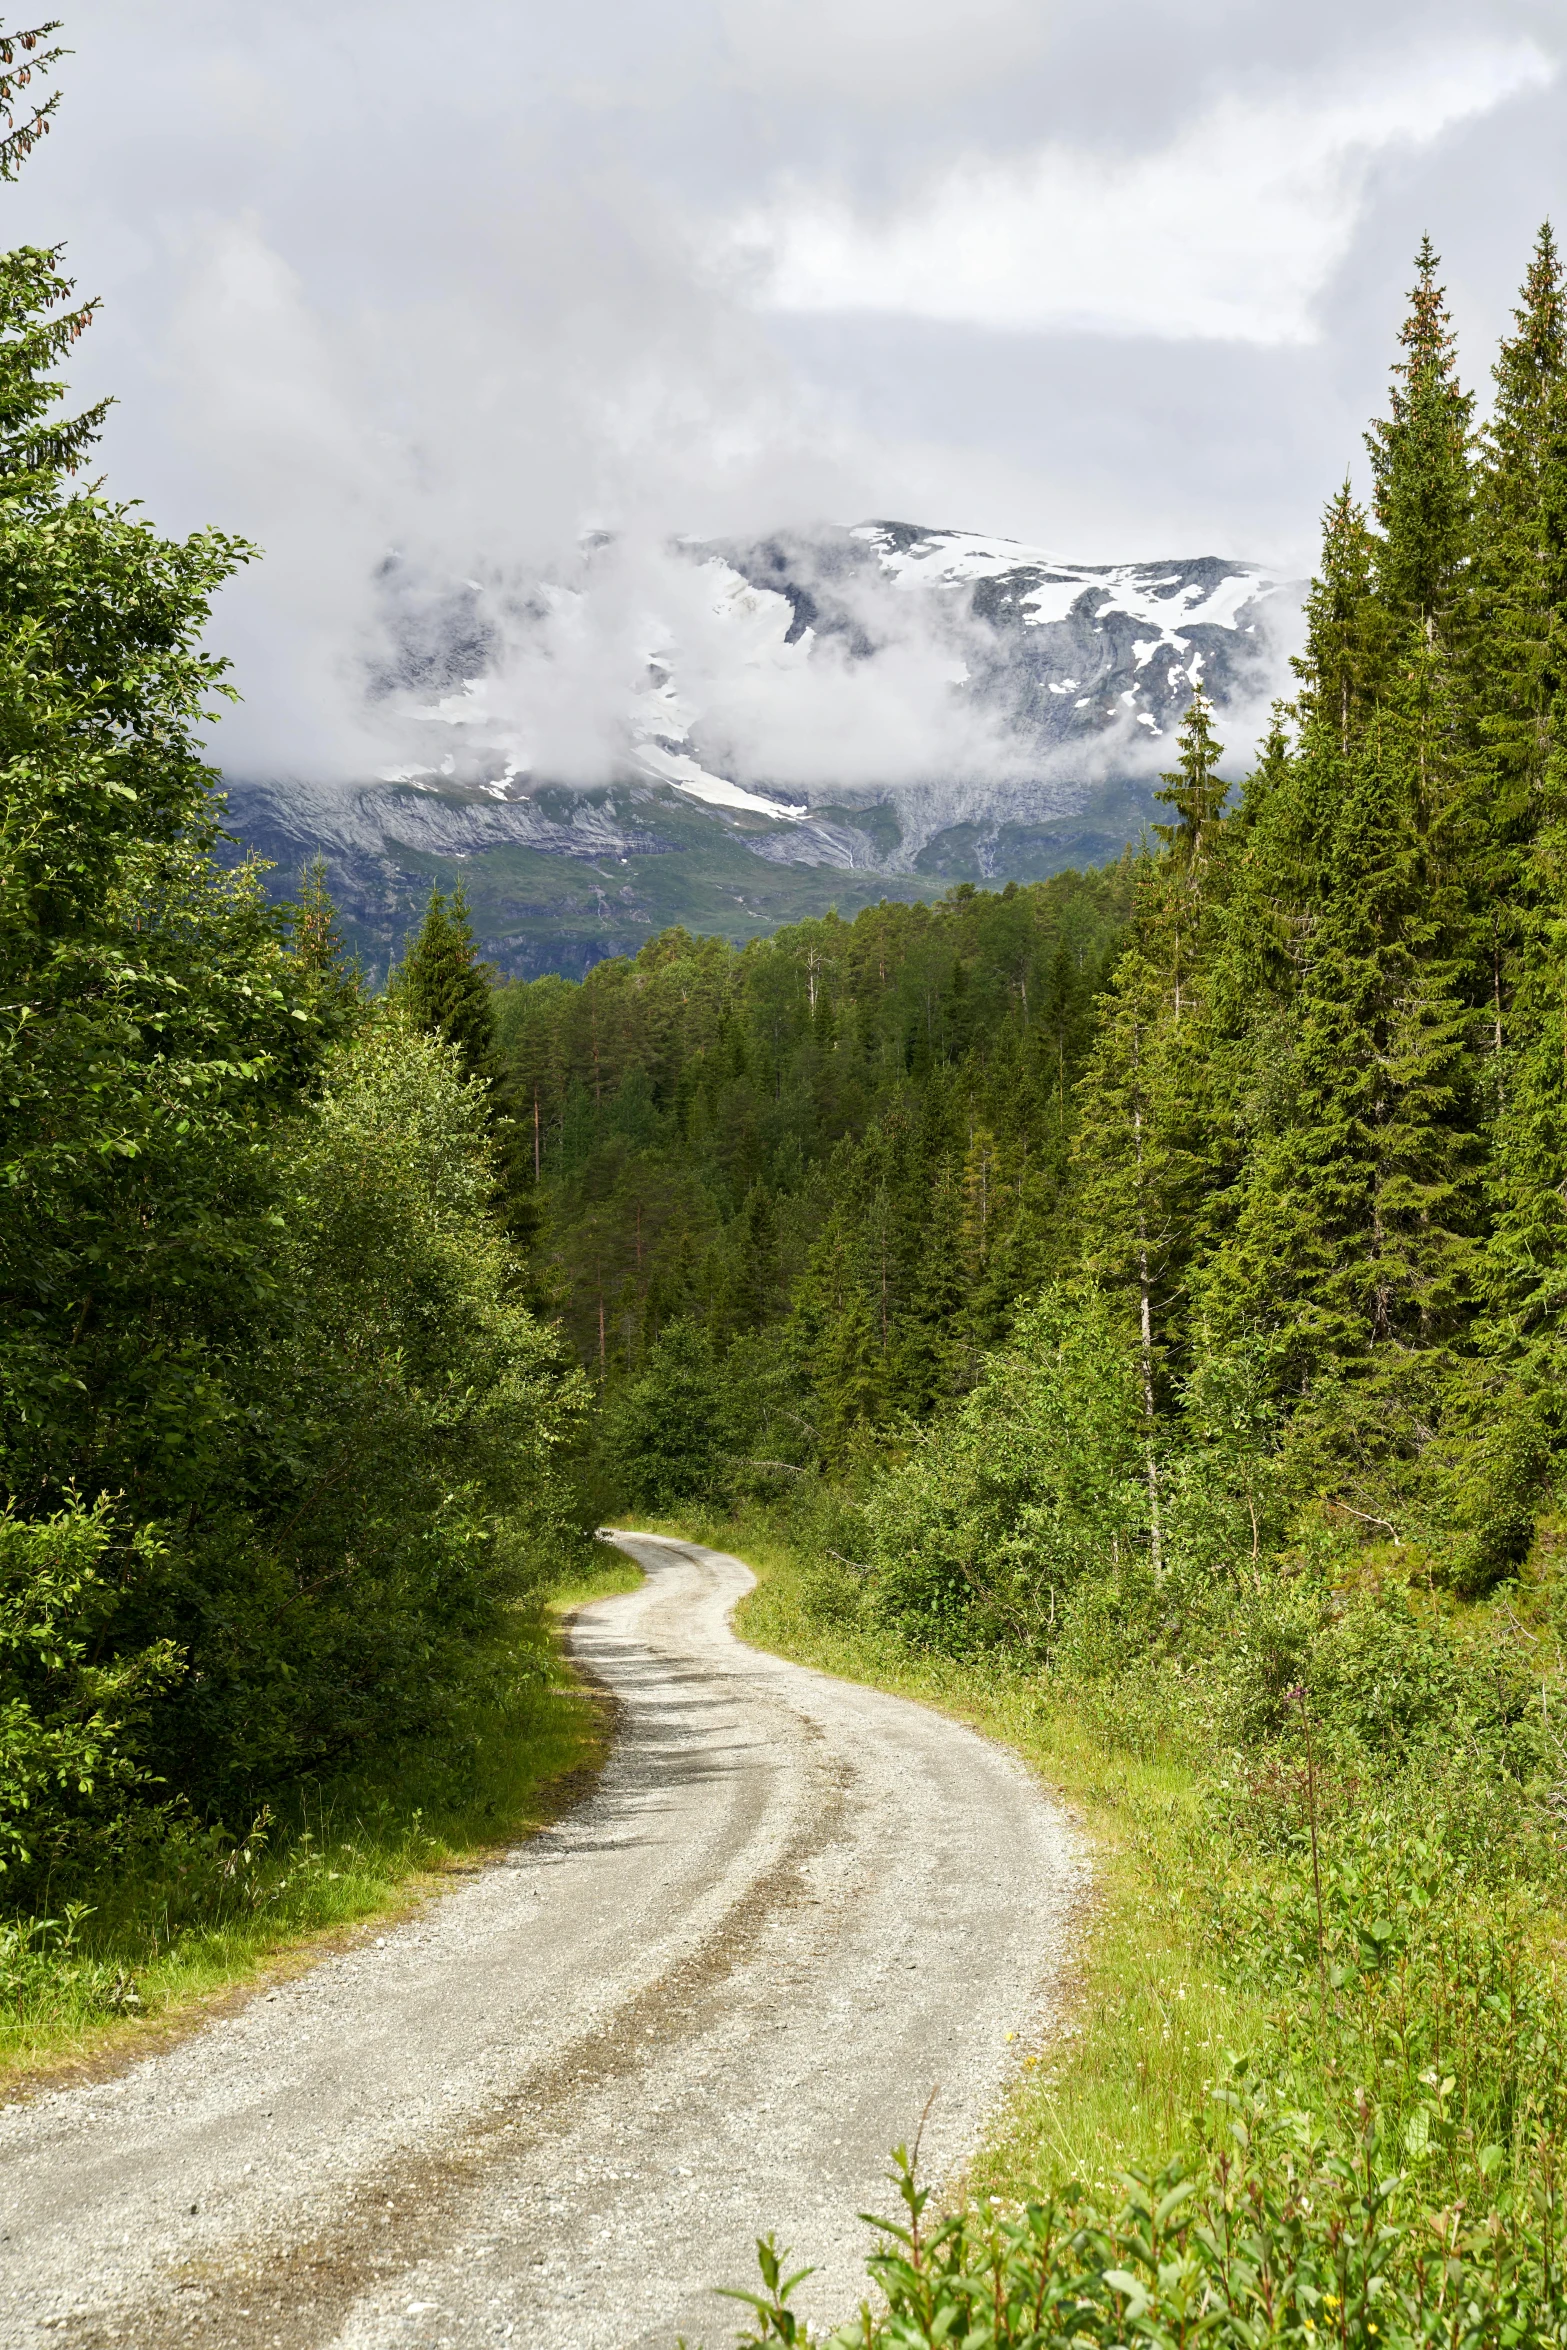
[200, 1911]
[1148, 2016]
[1312, 2077]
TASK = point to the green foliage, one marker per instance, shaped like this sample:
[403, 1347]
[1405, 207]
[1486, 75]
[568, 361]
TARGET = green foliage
[1274, 2233]
[671, 1435]
[856, 1131]
[394, 1478]
[279, 1444]
[444, 986]
[192, 1907]
[1035, 1484]
[1420, 463]
[68, 1722]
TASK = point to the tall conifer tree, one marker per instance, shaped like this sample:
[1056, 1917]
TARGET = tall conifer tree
[445, 986]
[1523, 589]
[1145, 1142]
[1354, 1232]
[1420, 463]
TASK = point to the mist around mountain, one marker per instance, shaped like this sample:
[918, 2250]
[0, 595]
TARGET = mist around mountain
[747, 734]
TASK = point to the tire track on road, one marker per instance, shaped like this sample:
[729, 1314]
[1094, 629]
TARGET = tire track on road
[556, 2108]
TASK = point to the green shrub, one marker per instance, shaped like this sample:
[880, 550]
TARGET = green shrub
[69, 1724]
[672, 1435]
[1268, 2231]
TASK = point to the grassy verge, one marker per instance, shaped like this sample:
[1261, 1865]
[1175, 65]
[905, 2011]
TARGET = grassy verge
[1146, 2025]
[206, 1919]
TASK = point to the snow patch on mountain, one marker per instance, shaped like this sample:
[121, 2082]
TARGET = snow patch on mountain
[884, 700]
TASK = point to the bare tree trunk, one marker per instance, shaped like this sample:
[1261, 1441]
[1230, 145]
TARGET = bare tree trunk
[535, 1134]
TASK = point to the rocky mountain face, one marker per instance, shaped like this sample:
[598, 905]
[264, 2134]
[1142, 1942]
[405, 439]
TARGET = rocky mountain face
[856, 714]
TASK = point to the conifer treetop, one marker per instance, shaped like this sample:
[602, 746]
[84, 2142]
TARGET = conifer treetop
[1530, 362]
[1336, 669]
[1194, 789]
[1528, 427]
[23, 58]
[445, 986]
[1420, 458]
[35, 449]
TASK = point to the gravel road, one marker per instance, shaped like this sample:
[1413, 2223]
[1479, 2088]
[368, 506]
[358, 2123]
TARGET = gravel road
[556, 2107]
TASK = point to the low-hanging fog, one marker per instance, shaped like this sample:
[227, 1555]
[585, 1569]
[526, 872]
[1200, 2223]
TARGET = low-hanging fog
[460, 313]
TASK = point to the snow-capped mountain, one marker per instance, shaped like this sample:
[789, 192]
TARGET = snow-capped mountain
[896, 704]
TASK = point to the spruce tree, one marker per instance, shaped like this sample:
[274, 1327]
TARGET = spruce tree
[1356, 1204]
[1518, 589]
[1353, 1236]
[1523, 564]
[1526, 1255]
[934, 1350]
[1144, 1146]
[1521, 527]
[447, 989]
[1346, 628]
[1147, 1148]
[332, 977]
[1420, 464]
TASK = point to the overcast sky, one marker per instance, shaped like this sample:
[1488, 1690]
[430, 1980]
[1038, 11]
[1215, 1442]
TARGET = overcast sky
[1115, 277]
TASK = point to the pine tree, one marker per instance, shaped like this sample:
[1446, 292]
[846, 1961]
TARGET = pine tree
[447, 989]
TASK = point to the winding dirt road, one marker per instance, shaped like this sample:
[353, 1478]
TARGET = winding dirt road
[556, 2107]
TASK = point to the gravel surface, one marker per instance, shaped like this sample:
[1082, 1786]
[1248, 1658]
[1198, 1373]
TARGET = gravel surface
[557, 2106]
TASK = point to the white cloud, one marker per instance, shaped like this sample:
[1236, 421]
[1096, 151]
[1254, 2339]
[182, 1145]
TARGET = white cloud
[879, 54]
[1230, 231]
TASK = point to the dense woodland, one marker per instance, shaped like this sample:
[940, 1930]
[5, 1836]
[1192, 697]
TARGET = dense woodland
[859, 1129]
[1280, 1096]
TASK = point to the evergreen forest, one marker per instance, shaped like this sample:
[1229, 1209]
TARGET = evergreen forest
[1272, 1109]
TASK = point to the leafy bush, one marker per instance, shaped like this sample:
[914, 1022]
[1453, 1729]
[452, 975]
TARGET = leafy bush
[1037, 1482]
[1268, 2232]
[398, 1419]
[69, 1724]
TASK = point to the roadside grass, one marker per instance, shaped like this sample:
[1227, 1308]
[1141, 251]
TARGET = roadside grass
[1143, 2027]
[115, 1971]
